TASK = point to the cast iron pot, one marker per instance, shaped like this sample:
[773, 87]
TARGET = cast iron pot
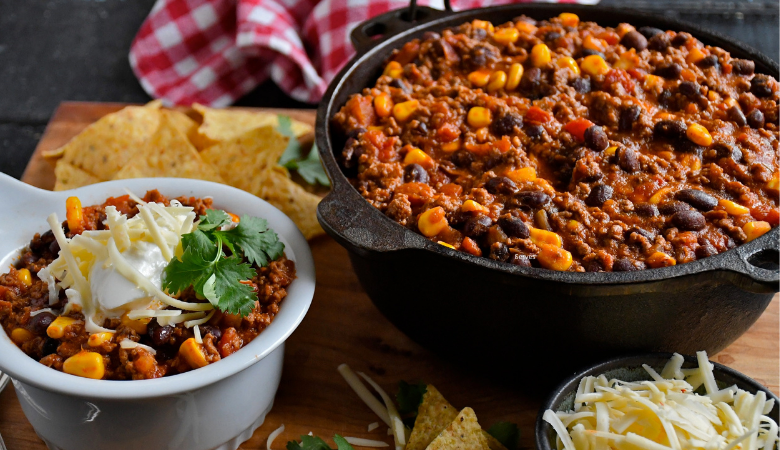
[462, 305]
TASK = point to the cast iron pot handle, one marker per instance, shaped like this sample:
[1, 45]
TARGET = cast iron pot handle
[371, 32]
[760, 262]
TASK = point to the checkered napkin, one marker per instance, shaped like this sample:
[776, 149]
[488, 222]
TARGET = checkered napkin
[214, 51]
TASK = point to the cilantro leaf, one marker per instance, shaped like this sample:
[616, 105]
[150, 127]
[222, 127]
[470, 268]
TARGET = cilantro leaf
[191, 270]
[233, 296]
[213, 219]
[308, 443]
[410, 397]
[258, 244]
[293, 151]
[309, 168]
[506, 433]
[341, 443]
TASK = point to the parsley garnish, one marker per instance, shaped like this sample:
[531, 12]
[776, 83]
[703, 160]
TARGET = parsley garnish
[409, 398]
[315, 443]
[310, 167]
[212, 272]
[506, 433]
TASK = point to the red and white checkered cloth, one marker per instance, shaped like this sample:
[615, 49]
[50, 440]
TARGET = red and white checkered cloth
[214, 51]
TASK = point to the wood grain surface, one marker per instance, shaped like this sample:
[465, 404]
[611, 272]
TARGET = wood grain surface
[343, 326]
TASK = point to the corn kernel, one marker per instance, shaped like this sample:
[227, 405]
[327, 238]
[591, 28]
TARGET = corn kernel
[403, 111]
[774, 184]
[735, 209]
[479, 117]
[20, 336]
[569, 19]
[139, 325]
[58, 326]
[695, 55]
[85, 364]
[450, 147]
[446, 244]
[729, 102]
[432, 222]
[593, 43]
[522, 174]
[554, 258]
[572, 225]
[515, 75]
[193, 354]
[74, 214]
[610, 151]
[393, 69]
[653, 81]
[97, 339]
[543, 237]
[540, 55]
[713, 96]
[699, 135]
[472, 206]
[628, 60]
[383, 105]
[497, 81]
[479, 78]
[506, 35]
[24, 276]
[660, 259]
[756, 229]
[594, 65]
[659, 195]
[417, 156]
[624, 28]
[567, 62]
[525, 27]
[485, 25]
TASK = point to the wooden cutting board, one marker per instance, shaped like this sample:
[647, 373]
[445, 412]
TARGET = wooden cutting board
[343, 326]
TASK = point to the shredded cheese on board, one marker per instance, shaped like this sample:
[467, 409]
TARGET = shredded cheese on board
[360, 442]
[665, 413]
[373, 426]
[360, 389]
[274, 434]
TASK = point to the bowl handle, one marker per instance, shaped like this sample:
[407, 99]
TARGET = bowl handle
[371, 32]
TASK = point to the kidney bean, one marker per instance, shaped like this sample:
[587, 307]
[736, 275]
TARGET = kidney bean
[49, 346]
[670, 129]
[534, 199]
[646, 209]
[531, 78]
[742, 67]
[501, 185]
[709, 61]
[599, 194]
[514, 227]
[624, 265]
[587, 52]
[705, 251]
[499, 252]
[593, 266]
[596, 138]
[534, 131]
[581, 85]
[680, 39]
[634, 39]
[519, 260]
[649, 32]
[629, 115]
[670, 71]
[724, 150]
[477, 226]
[659, 42]
[640, 231]
[698, 199]
[400, 84]
[40, 322]
[505, 124]
[755, 119]
[689, 88]
[415, 173]
[627, 159]
[673, 207]
[552, 35]
[737, 116]
[689, 220]
[463, 158]
[760, 85]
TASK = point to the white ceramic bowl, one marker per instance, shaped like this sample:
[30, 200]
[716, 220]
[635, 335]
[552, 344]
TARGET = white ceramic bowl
[215, 407]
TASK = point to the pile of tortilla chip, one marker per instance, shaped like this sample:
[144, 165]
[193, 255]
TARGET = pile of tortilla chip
[236, 147]
[439, 426]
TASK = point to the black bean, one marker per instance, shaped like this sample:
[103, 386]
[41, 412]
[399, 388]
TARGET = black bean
[705, 251]
[664, 97]
[760, 85]
[212, 330]
[698, 199]
[499, 252]
[531, 78]
[463, 158]
[755, 119]
[659, 42]
[581, 85]
[629, 115]
[689, 220]
[49, 346]
[640, 231]
[54, 248]
[593, 266]
[400, 84]
[534, 131]
[478, 33]
[649, 32]
[505, 124]
[481, 54]
[160, 335]
[670, 129]
[596, 138]
[598, 195]
[736, 115]
[431, 35]
[415, 173]
[671, 71]
[724, 150]
[689, 88]
[646, 209]
[702, 100]
[356, 132]
[514, 227]
[742, 67]
[552, 35]
[587, 52]
[501, 185]
[624, 265]
[40, 322]
[519, 260]
[680, 39]
[492, 161]
[534, 199]
[709, 61]
[477, 226]
[634, 39]
[627, 159]
[421, 129]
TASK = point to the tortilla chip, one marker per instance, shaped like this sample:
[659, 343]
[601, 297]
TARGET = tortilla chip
[71, 177]
[240, 160]
[184, 123]
[221, 125]
[433, 415]
[464, 433]
[299, 205]
[104, 147]
[168, 153]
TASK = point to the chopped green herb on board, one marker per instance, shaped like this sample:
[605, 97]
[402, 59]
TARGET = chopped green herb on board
[309, 167]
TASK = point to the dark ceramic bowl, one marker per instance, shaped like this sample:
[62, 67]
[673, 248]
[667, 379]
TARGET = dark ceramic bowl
[471, 307]
[629, 368]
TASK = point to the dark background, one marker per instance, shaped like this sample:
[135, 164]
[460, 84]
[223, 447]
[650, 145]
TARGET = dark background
[56, 50]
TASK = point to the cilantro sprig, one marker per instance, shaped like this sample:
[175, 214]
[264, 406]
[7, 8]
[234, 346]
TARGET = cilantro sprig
[215, 274]
[315, 443]
[308, 167]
